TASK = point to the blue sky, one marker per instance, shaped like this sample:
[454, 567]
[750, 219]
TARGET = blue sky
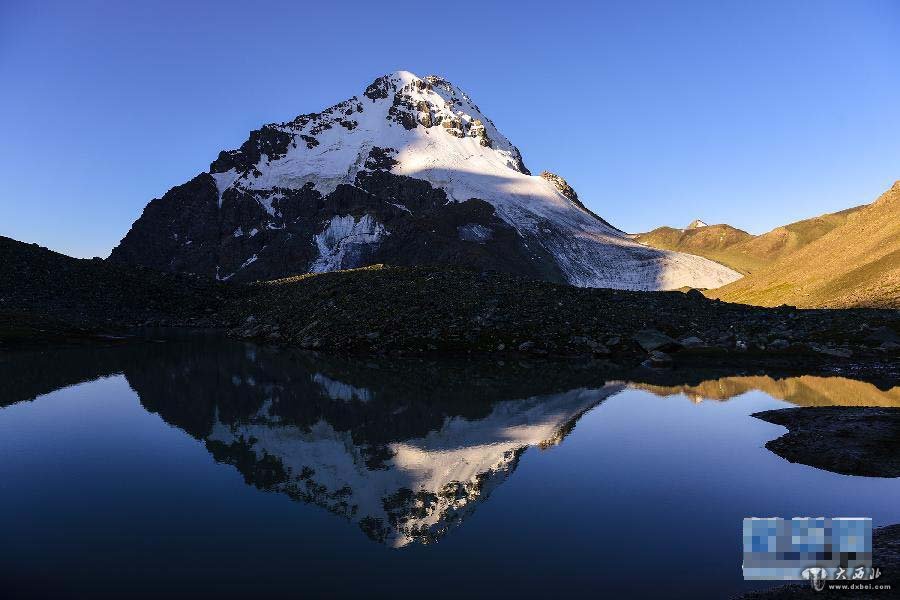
[750, 113]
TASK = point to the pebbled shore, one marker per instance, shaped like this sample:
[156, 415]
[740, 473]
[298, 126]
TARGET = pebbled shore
[852, 440]
[438, 311]
[424, 311]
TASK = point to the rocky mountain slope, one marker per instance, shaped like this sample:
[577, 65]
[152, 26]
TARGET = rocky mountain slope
[409, 172]
[738, 249]
[437, 311]
[433, 311]
[856, 263]
[47, 294]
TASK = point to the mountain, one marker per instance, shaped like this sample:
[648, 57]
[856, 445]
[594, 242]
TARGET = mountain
[738, 249]
[715, 242]
[409, 172]
[856, 263]
[696, 224]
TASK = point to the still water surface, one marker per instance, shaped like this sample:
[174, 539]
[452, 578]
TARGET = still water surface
[205, 467]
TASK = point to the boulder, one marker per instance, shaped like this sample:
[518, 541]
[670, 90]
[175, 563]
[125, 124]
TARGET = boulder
[692, 342]
[779, 344]
[659, 359]
[883, 334]
[837, 352]
[651, 339]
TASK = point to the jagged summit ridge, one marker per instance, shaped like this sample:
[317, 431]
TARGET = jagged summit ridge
[421, 124]
[410, 171]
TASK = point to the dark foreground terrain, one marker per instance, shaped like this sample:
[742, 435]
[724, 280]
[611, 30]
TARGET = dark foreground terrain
[441, 311]
[848, 440]
[45, 295]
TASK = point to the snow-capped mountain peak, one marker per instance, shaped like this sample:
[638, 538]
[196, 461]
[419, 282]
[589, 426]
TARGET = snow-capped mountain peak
[426, 125]
[410, 171]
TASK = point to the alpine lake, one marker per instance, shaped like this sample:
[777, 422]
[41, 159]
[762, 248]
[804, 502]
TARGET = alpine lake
[191, 465]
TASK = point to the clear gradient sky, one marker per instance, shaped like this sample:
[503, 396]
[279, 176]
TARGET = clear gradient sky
[751, 113]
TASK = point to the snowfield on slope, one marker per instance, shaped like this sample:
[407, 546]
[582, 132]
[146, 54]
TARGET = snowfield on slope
[439, 135]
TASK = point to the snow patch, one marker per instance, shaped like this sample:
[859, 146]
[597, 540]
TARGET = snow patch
[224, 181]
[246, 263]
[338, 390]
[343, 240]
[474, 232]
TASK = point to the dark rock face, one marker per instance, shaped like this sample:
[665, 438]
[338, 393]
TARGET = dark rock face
[381, 159]
[569, 192]
[219, 226]
[59, 293]
[520, 164]
[438, 236]
[269, 140]
[403, 111]
[178, 232]
[378, 89]
[268, 234]
[848, 440]
[562, 185]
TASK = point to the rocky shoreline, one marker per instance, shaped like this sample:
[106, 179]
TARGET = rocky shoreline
[440, 311]
[44, 294]
[850, 440]
[842, 439]
[431, 311]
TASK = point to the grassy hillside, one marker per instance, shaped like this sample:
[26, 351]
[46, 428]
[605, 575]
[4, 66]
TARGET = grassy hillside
[738, 249]
[713, 241]
[856, 263]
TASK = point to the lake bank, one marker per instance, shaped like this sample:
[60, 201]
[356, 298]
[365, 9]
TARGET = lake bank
[46, 297]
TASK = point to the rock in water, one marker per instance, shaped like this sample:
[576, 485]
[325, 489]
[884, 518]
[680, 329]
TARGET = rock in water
[660, 359]
[841, 439]
[408, 172]
[692, 342]
[650, 340]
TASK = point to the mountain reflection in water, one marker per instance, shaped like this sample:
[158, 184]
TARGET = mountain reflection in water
[806, 390]
[405, 449]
